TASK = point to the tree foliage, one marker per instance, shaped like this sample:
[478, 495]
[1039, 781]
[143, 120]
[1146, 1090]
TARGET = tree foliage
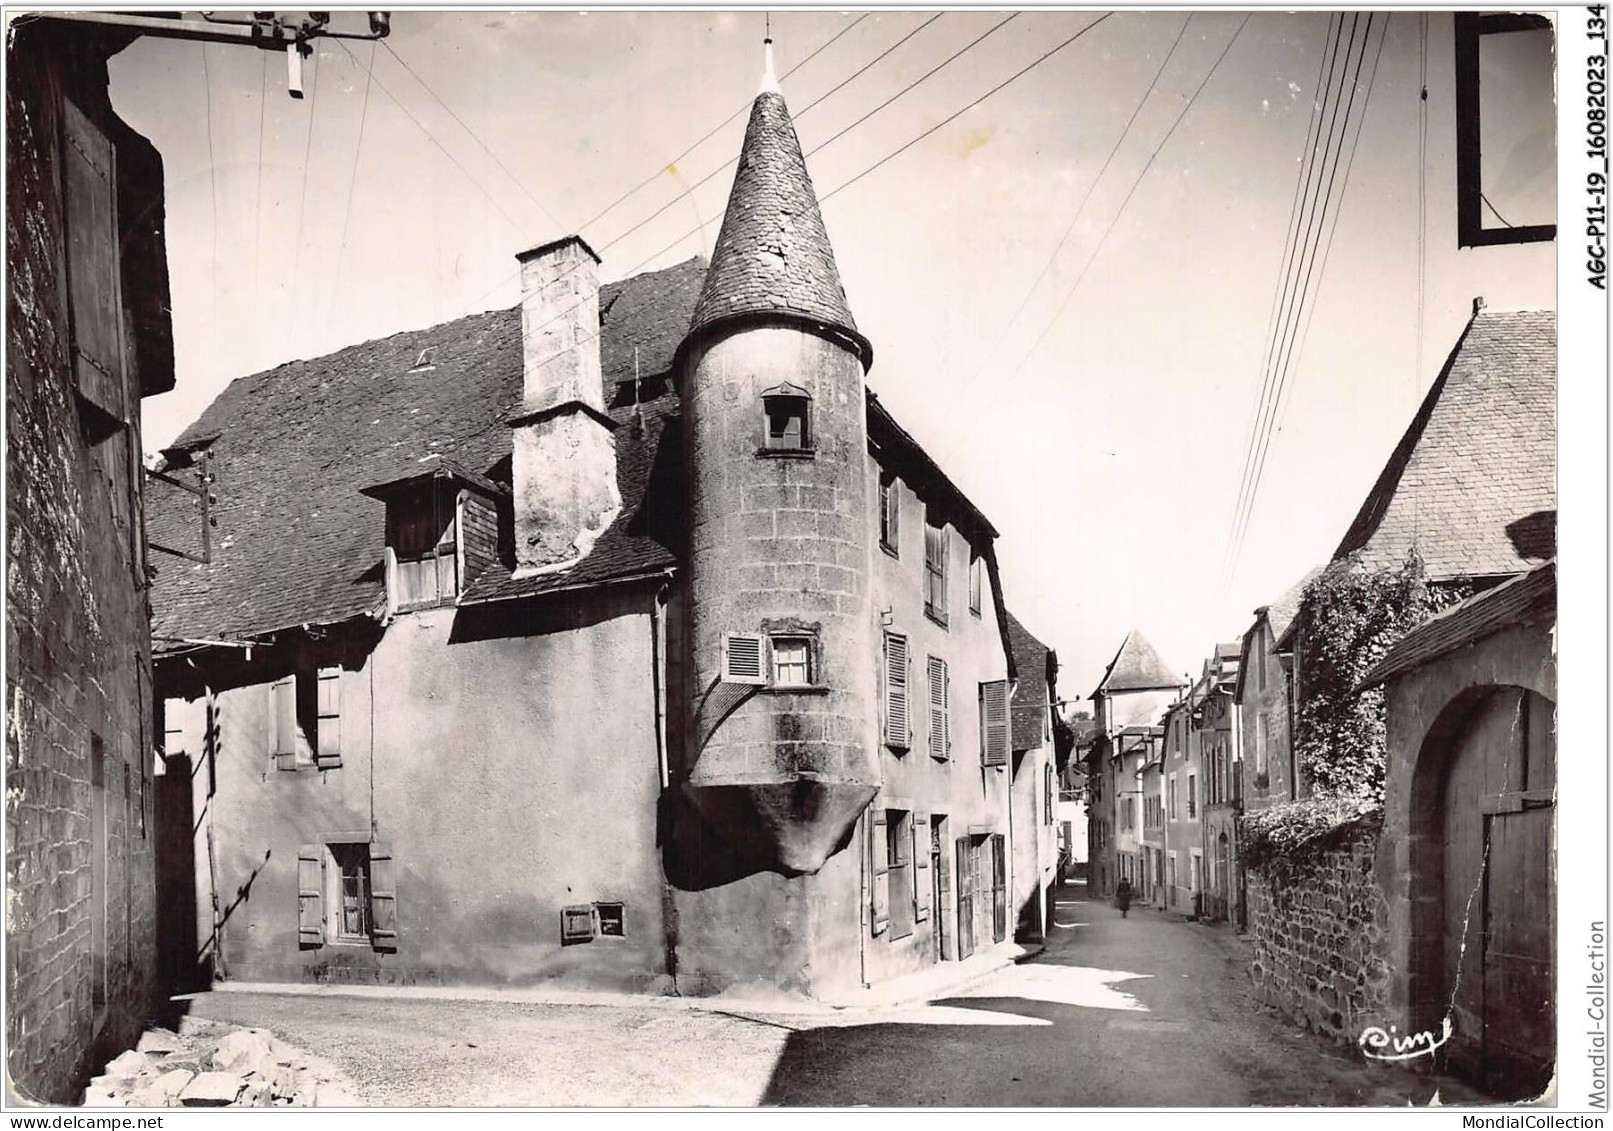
[1281, 841]
[1350, 616]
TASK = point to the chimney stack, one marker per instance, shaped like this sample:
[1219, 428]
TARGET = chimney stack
[563, 461]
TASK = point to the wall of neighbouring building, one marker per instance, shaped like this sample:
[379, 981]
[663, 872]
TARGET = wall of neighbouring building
[1269, 770]
[508, 757]
[1320, 938]
[972, 797]
[78, 984]
[1522, 656]
[1035, 843]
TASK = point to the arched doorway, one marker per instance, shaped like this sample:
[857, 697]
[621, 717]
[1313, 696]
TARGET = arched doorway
[1223, 873]
[1486, 871]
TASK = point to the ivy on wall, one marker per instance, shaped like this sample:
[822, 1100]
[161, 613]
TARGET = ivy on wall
[1350, 616]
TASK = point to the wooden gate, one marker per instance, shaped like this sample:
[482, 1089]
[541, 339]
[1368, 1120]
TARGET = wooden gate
[966, 898]
[1498, 898]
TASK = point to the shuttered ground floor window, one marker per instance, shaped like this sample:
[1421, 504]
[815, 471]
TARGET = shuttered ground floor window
[346, 894]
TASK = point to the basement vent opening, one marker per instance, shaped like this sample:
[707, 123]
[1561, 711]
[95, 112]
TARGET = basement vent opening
[426, 361]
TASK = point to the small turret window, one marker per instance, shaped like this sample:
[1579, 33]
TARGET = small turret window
[786, 421]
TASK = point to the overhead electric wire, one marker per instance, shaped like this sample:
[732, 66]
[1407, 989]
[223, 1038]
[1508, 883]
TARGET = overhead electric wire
[956, 55]
[475, 183]
[860, 71]
[1320, 105]
[212, 174]
[352, 180]
[527, 333]
[1422, 191]
[307, 154]
[1316, 267]
[1115, 219]
[1092, 185]
[485, 148]
[715, 130]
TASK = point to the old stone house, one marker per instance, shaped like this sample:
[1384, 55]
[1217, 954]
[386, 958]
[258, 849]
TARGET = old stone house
[1136, 686]
[1466, 857]
[87, 336]
[623, 639]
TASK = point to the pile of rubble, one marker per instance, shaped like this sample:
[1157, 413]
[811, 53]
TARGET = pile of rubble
[206, 1064]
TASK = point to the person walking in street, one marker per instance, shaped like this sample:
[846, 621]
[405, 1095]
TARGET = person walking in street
[1123, 896]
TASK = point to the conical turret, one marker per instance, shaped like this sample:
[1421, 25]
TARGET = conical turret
[772, 257]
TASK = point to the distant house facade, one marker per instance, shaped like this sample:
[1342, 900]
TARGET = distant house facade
[1182, 770]
[1136, 686]
[1215, 718]
[88, 335]
[1035, 783]
[623, 640]
[1263, 695]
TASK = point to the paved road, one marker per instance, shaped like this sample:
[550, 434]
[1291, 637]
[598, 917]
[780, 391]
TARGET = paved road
[1144, 1011]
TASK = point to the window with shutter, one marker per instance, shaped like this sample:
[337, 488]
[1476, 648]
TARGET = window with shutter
[94, 271]
[940, 724]
[311, 895]
[890, 516]
[977, 573]
[879, 872]
[283, 702]
[921, 864]
[898, 732]
[935, 573]
[994, 736]
[328, 728]
[742, 658]
[383, 899]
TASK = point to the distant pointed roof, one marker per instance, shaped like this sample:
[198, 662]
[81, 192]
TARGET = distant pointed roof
[1137, 667]
[773, 255]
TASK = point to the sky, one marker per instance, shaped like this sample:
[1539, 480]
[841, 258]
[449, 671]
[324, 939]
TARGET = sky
[1084, 355]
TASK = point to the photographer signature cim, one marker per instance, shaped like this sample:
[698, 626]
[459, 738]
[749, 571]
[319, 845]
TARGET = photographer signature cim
[1375, 1044]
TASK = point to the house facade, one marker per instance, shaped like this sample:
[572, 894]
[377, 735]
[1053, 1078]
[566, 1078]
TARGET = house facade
[1136, 686]
[621, 640]
[87, 336]
[1263, 695]
[1182, 771]
[1215, 719]
[1035, 788]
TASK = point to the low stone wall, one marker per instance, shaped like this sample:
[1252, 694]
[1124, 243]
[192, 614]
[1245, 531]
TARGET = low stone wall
[1319, 931]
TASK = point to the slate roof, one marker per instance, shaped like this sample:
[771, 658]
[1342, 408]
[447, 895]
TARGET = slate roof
[1529, 598]
[1472, 483]
[1137, 667]
[1030, 703]
[772, 255]
[1281, 612]
[297, 543]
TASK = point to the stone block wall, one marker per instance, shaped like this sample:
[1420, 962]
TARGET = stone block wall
[1320, 938]
[78, 750]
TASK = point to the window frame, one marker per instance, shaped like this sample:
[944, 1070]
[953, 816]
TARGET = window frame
[900, 872]
[935, 571]
[786, 397]
[890, 515]
[977, 571]
[899, 739]
[403, 512]
[938, 697]
[808, 665]
[336, 879]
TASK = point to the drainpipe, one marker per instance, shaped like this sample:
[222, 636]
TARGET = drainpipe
[669, 906]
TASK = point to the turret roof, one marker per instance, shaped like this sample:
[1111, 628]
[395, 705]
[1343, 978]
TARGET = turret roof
[773, 255]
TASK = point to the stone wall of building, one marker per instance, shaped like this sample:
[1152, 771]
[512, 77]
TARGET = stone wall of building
[1320, 938]
[80, 895]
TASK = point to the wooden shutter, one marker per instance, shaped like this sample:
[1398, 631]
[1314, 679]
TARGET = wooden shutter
[94, 272]
[311, 895]
[328, 751]
[921, 867]
[940, 739]
[994, 722]
[742, 658]
[897, 668]
[383, 899]
[878, 870]
[283, 702]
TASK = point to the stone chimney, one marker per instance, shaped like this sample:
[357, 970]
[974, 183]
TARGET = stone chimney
[563, 463]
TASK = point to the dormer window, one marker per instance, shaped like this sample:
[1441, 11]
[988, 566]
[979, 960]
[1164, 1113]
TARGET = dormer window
[787, 422]
[441, 532]
[427, 360]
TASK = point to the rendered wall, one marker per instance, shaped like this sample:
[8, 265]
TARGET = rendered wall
[509, 761]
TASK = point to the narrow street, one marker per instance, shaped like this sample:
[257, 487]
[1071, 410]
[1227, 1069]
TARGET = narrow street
[1149, 1010]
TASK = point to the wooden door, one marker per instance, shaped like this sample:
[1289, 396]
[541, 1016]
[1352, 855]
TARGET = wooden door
[940, 876]
[1499, 904]
[966, 901]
